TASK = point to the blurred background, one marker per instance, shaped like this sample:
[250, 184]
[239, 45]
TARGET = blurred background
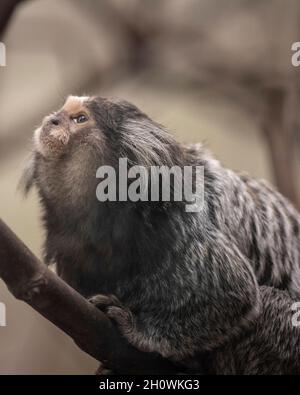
[209, 70]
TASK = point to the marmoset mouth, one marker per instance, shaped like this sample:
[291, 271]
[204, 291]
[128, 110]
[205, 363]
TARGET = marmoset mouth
[51, 141]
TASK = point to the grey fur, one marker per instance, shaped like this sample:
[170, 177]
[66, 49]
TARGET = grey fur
[188, 283]
[271, 346]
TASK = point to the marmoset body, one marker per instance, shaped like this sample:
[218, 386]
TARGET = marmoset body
[182, 282]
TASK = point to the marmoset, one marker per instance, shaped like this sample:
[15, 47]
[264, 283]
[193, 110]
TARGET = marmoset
[270, 346]
[175, 282]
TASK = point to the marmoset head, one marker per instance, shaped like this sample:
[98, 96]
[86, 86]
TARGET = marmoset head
[114, 126]
[89, 132]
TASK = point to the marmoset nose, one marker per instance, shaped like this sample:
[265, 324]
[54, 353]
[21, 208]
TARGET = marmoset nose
[54, 120]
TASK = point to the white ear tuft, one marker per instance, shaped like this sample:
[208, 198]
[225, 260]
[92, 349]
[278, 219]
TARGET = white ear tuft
[27, 179]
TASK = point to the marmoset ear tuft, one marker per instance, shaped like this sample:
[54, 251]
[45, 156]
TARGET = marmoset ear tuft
[27, 179]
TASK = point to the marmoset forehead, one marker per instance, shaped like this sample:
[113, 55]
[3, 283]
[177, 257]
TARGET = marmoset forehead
[75, 104]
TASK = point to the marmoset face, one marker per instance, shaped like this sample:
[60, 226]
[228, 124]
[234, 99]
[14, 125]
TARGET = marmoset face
[52, 138]
[90, 132]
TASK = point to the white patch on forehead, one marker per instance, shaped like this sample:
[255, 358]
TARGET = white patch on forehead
[80, 99]
[75, 104]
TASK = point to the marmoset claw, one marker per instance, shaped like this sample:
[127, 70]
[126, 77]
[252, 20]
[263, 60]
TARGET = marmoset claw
[102, 302]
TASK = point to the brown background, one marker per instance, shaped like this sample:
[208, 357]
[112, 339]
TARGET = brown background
[199, 67]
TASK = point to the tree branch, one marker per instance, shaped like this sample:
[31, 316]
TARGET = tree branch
[30, 280]
[7, 8]
[278, 130]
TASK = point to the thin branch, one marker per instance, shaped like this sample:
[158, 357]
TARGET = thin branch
[7, 8]
[281, 141]
[29, 280]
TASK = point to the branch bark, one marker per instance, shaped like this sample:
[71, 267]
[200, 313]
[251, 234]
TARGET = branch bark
[31, 281]
[281, 141]
[7, 8]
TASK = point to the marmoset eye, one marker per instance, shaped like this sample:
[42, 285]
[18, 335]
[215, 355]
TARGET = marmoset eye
[82, 118]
